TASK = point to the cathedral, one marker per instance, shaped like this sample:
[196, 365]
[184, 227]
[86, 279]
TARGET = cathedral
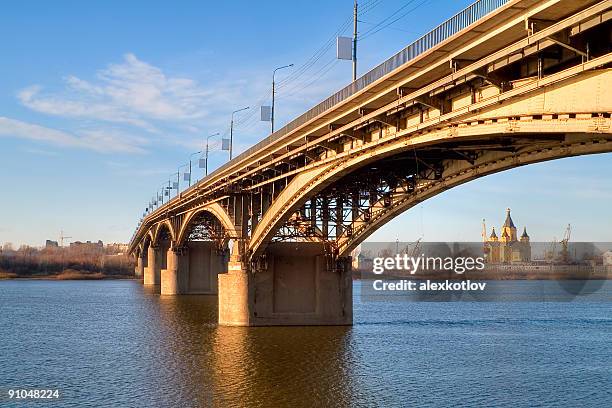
[508, 248]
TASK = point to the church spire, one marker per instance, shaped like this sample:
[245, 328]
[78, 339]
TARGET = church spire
[509, 222]
[525, 237]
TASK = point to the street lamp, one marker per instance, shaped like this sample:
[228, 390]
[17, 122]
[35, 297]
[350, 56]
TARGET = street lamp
[175, 185]
[178, 177]
[273, 92]
[190, 159]
[232, 130]
[163, 189]
[206, 152]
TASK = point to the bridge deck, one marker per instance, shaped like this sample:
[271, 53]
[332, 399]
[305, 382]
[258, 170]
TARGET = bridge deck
[494, 21]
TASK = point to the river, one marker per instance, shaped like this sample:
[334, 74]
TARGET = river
[119, 344]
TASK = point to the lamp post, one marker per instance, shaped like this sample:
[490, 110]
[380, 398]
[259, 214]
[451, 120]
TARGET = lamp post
[192, 154]
[232, 130]
[163, 188]
[206, 152]
[355, 42]
[273, 92]
[178, 177]
[170, 187]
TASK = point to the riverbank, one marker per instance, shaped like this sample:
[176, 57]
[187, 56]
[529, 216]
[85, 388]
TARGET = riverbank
[65, 263]
[65, 275]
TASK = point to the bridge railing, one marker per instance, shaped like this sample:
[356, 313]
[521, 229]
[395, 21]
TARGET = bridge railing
[447, 29]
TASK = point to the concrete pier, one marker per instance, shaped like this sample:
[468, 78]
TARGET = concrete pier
[175, 276]
[140, 265]
[162, 261]
[152, 271]
[295, 286]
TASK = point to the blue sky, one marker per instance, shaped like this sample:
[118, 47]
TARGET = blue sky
[101, 101]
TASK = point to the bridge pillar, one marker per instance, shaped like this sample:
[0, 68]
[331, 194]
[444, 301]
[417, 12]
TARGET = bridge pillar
[235, 292]
[139, 268]
[294, 286]
[152, 271]
[174, 277]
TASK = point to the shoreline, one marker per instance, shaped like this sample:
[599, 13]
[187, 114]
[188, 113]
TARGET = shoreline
[64, 277]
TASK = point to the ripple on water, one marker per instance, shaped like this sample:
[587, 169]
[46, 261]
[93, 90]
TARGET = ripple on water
[116, 343]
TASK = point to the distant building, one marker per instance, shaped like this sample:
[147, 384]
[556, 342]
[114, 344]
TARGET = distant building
[607, 258]
[51, 244]
[7, 249]
[87, 245]
[508, 248]
[117, 248]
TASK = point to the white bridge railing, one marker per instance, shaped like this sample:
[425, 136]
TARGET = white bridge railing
[447, 29]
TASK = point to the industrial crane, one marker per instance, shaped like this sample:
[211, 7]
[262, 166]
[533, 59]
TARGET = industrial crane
[565, 243]
[62, 237]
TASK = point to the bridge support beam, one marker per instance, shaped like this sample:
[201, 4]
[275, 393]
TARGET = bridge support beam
[152, 271]
[295, 286]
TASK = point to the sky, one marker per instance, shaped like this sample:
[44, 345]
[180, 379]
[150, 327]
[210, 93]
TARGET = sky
[100, 102]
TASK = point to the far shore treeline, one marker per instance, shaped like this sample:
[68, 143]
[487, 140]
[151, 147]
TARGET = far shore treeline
[75, 262]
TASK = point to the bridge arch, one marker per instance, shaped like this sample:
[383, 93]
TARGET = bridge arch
[457, 175]
[456, 172]
[146, 243]
[538, 119]
[164, 226]
[218, 214]
[143, 247]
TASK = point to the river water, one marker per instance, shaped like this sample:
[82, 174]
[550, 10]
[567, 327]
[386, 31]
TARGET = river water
[119, 344]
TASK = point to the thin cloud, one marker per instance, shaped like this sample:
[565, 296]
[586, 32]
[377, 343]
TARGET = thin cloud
[97, 140]
[41, 152]
[132, 92]
[126, 169]
[142, 99]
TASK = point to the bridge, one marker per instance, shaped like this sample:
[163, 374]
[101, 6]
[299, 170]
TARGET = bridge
[502, 84]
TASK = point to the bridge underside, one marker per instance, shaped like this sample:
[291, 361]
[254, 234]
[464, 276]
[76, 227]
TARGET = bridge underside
[294, 285]
[534, 87]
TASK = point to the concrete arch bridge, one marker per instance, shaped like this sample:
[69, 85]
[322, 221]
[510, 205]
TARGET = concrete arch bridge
[504, 83]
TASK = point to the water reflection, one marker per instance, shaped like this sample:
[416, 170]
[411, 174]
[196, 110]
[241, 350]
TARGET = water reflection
[283, 366]
[119, 344]
[237, 366]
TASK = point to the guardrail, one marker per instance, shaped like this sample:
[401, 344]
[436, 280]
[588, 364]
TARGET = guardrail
[450, 27]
